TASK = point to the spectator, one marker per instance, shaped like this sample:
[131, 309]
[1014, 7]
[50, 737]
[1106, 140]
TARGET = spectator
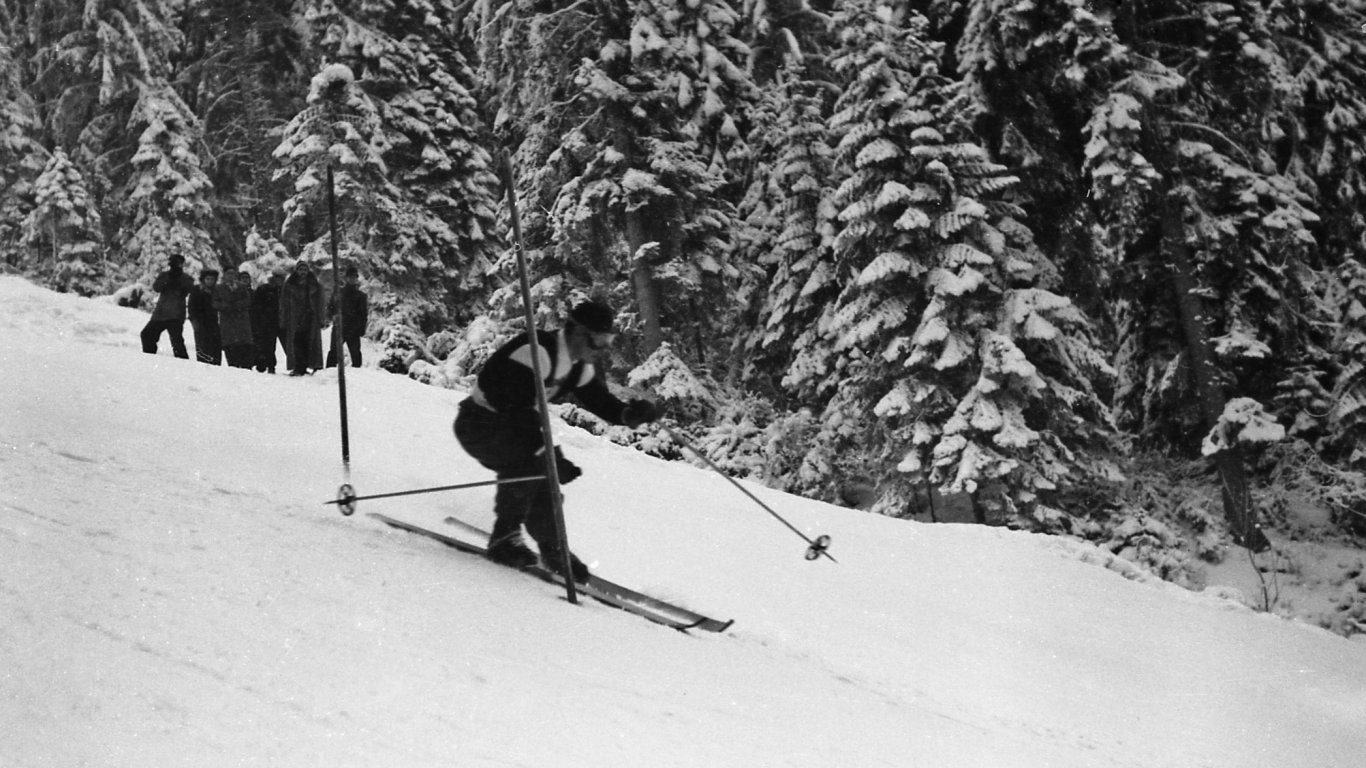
[233, 301]
[355, 309]
[169, 314]
[208, 341]
[301, 317]
[265, 320]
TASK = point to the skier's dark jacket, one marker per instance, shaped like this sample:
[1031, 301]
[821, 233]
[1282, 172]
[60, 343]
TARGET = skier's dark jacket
[506, 384]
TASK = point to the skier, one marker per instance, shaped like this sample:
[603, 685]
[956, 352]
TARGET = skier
[169, 314]
[499, 425]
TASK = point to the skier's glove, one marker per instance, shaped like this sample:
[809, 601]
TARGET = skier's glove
[566, 469]
[639, 412]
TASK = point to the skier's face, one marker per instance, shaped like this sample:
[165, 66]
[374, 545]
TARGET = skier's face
[585, 344]
[601, 342]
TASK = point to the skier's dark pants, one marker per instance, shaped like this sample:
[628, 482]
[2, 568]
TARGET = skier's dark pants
[509, 447]
[175, 328]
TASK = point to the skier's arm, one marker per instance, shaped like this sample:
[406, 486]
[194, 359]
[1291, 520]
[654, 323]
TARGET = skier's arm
[597, 398]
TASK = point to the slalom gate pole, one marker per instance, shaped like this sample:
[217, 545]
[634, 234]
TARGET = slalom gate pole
[818, 547]
[347, 498]
[337, 334]
[552, 472]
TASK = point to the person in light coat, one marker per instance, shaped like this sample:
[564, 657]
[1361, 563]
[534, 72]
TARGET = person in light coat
[302, 314]
[232, 299]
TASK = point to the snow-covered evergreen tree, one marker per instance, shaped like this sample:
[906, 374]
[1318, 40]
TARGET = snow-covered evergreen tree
[338, 138]
[1030, 72]
[785, 248]
[92, 64]
[1318, 141]
[405, 58]
[264, 254]
[528, 58]
[676, 110]
[21, 156]
[422, 186]
[1346, 410]
[946, 346]
[245, 71]
[165, 208]
[1203, 126]
[62, 231]
[641, 202]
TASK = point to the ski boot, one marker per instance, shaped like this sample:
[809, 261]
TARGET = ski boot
[552, 561]
[509, 549]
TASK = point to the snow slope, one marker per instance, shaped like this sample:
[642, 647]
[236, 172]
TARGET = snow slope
[175, 593]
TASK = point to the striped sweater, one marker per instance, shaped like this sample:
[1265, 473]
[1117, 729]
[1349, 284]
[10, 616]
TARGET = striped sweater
[507, 385]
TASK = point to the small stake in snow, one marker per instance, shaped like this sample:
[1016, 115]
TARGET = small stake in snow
[816, 547]
[347, 498]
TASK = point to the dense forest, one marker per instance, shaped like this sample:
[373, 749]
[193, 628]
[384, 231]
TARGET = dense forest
[1038, 257]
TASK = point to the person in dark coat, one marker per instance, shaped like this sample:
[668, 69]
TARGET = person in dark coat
[499, 424]
[232, 299]
[302, 317]
[355, 309]
[208, 341]
[265, 320]
[169, 314]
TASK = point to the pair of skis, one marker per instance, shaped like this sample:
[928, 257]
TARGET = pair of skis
[468, 538]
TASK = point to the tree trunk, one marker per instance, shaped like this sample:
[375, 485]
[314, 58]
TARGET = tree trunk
[643, 280]
[637, 237]
[1205, 376]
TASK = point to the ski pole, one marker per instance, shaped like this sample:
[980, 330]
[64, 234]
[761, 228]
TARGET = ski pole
[347, 498]
[818, 546]
[552, 471]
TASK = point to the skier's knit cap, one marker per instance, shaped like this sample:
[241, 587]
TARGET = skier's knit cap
[595, 316]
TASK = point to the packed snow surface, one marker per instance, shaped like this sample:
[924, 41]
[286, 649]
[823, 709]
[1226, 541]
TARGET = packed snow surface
[175, 592]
